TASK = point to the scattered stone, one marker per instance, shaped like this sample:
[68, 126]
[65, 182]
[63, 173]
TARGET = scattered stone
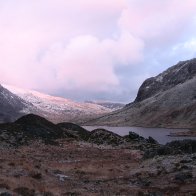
[47, 194]
[24, 191]
[5, 194]
[183, 176]
[36, 175]
[62, 177]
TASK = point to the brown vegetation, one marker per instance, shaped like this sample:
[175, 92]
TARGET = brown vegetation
[80, 168]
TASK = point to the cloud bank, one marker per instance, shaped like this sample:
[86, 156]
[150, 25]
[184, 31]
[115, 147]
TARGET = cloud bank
[93, 47]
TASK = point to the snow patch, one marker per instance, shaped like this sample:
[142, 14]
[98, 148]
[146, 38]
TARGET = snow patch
[55, 105]
[159, 78]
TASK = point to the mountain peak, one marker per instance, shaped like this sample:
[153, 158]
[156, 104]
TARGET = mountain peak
[177, 74]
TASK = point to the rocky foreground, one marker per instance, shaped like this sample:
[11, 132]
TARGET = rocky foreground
[40, 158]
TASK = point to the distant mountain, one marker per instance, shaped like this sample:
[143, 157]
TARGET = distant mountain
[167, 100]
[111, 105]
[55, 109]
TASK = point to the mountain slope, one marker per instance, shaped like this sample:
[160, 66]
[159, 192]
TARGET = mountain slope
[57, 109]
[11, 106]
[167, 100]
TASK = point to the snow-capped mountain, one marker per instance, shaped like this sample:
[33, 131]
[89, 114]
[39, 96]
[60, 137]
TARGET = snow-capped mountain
[56, 109]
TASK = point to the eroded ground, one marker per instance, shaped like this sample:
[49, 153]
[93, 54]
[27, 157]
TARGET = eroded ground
[76, 168]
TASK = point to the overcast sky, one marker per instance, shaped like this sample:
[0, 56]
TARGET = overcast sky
[93, 49]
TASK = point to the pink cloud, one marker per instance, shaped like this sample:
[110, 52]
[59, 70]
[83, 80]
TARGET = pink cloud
[157, 20]
[53, 44]
[87, 62]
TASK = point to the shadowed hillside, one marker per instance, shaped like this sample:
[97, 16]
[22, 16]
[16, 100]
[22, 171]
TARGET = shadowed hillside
[167, 100]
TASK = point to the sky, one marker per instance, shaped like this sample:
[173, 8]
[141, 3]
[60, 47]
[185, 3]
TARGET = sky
[93, 49]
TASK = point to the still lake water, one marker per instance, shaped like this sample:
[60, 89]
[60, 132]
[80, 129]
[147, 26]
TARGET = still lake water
[159, 134]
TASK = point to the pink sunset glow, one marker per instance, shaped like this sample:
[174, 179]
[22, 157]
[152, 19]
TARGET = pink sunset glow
[93, 46]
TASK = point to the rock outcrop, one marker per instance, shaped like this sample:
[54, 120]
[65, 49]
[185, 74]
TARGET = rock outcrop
[30, 128]
[76, 131]
[102, 136]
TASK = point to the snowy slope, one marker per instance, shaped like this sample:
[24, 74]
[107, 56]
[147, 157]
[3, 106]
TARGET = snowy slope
[111, 105]
[54, 108]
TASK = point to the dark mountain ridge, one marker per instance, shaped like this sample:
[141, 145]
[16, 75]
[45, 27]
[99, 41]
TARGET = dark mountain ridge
[11, 106]
[177, 74]
[28, 128]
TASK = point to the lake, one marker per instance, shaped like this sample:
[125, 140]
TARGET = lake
[159, 134]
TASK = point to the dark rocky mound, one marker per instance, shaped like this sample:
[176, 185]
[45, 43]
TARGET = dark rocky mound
[102, 136]
[76, 131]
[31, 127]
[173, 148]
[175, 75]
[137, 138]
[134, 137]
[184, 146]
[36, 126]
[11, 106]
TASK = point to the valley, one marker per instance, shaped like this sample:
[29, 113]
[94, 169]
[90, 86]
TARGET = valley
[115, 152]
[98, 98]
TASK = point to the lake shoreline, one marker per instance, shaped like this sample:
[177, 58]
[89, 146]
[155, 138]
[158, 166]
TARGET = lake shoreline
[190, 133]
[158, 127]
[162, 135]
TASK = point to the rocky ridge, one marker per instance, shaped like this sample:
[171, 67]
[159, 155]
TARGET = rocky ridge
[31, 127]
[175, 75]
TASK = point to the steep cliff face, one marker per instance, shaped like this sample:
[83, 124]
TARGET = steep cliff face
[170, 78]
[167, 100]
